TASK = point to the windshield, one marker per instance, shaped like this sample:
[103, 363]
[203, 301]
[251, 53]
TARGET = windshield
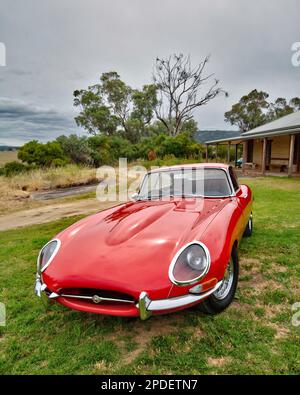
[185, 183]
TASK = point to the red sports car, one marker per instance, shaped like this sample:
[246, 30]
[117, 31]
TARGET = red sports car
[174, 246]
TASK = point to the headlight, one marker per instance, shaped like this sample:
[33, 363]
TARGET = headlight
[190, 264]
[47, 254]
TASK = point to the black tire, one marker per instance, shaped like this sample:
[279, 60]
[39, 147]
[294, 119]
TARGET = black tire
[249, 228]
[213, 304]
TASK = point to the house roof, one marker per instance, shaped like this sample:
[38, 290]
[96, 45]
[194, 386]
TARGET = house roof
[201, 136]
[285, 125]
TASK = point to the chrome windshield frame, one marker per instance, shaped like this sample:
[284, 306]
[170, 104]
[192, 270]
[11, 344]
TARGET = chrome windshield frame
[232, 194]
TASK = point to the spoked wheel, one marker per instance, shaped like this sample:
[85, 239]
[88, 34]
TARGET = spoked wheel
[223, 296]
[249, 227]
[226, 285]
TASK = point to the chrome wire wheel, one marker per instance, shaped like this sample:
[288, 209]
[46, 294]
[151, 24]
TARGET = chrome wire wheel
[224, 289]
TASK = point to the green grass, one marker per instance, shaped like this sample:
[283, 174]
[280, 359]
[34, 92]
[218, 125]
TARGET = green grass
[254, 335]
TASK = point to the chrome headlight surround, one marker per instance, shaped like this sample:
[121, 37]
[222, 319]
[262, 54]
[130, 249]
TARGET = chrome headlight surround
[197, 276]
[40, 268]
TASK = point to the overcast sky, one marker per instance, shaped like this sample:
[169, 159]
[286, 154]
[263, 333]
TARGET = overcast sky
[56, 46]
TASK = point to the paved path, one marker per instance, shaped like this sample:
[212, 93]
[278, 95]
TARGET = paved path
[63, 192]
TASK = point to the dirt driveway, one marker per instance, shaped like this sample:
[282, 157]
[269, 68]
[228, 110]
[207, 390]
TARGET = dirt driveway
[51, 213]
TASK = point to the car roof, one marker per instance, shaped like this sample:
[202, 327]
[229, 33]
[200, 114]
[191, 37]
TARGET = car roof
[222, 166]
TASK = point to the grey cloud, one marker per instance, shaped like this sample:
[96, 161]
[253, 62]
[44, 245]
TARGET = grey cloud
[20, 72]
[57, 46]
[22, 122]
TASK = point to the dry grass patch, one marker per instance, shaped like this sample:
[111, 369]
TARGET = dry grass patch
[218, 362]
[15, 190]
[144, 331]
[103, 367]
[52, 178]
[281, 332]
[141, 335]
[258, 284]
[8, 156]
[250, 266]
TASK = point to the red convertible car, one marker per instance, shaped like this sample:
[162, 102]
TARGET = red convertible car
[174, 246]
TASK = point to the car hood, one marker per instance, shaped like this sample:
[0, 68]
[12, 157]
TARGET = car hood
[130, 247]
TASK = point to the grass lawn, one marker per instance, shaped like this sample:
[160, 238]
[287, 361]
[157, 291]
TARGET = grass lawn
[254, 335]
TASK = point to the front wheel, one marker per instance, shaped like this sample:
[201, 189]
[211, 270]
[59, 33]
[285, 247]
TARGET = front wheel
[223, 296]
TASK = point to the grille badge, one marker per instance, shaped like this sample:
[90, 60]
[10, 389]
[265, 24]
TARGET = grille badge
[96, 299]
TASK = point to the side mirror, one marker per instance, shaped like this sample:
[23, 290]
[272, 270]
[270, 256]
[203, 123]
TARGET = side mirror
[134, 196]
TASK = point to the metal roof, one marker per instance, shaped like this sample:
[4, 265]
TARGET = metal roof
[285, 125]
[201, 136]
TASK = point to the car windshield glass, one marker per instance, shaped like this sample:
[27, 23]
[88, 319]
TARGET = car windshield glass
[185, 183]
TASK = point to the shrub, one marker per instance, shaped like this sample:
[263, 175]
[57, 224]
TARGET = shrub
[181, 146]
[41, 154]
[76, 148]
[12, 168]
[58, 162]
[99, 150]
[106, 150]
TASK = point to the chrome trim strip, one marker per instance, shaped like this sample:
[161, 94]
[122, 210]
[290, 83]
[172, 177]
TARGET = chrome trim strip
[146, 305]
[174, 260]
[226, 171]
[53, 295]
[101, 299]
[41, 287]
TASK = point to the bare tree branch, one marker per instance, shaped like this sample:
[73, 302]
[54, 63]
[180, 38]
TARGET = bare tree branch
[180, 88]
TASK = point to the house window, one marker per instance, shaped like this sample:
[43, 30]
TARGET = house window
[250, 151]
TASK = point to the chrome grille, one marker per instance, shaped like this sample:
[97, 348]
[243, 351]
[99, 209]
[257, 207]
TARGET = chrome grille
[96, 295]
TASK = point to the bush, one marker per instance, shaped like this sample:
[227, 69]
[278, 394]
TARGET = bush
[181, 146]
[42, 154]
[76, 148]
[58, 162]
[12, 168]
[106, 150]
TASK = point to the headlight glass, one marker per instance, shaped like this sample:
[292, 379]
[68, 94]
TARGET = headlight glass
[47, 254]
[190, 264]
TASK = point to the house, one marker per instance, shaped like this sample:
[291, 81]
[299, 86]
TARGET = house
[271, 148]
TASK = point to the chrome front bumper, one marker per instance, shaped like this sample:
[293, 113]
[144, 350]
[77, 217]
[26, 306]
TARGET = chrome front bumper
[146, 306]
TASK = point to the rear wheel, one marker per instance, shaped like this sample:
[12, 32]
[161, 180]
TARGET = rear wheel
[223, 296]
[249, 228]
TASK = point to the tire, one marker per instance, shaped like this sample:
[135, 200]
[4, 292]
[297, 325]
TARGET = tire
[249, 228]
[217, 302]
